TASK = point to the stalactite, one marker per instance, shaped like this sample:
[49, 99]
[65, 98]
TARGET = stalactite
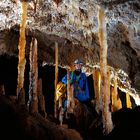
[21, 48]
[128, 101]
[116, 102]
[68, 90]
[33, 77]
[41, 99]
[105, 85]
[31, 73]
[56, 78]
[57, 1]
[97, 80]
[35, 5]
[108, 100]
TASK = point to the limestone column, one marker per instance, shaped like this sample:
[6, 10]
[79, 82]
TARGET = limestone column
[105, 85]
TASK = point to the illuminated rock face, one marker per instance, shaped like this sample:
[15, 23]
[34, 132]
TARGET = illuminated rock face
[75, 26]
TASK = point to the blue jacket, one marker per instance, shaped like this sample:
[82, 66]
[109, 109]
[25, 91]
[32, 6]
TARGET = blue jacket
[81, 91]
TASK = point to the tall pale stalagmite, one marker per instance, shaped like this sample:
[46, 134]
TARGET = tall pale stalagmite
[33, 77]
[21, 47]
[56, 78]
[68, 90]
[105, 85]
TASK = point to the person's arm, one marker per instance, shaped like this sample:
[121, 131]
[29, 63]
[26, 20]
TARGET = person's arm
[87, 89]
[64, 79]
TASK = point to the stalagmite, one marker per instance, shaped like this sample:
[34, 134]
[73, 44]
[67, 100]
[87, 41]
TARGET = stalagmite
[97, 80]
[33, 100]
[105, 85]
[56, 78]
[68, 90]
[31, 74]
[116, 102]
[21, 97]
[61, 113]
[41, 99]
[128, 101]
[21, 48]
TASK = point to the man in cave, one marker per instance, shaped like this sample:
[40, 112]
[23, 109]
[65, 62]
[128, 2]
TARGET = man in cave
[79, 81]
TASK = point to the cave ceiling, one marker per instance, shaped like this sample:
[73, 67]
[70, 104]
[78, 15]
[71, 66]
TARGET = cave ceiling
[74, 25]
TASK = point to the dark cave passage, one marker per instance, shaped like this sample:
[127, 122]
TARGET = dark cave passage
[8, 74]
[8, 78]
[47, 73]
